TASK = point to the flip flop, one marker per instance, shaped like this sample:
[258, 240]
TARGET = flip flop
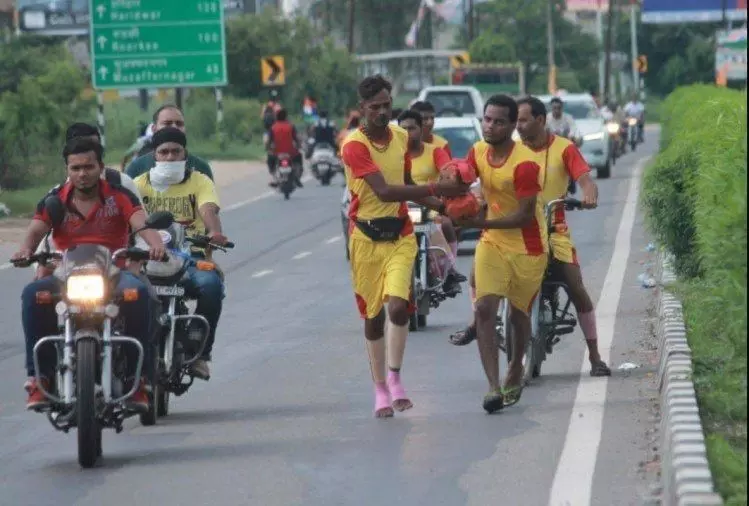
[512, 395]
[600, 369]
[494, 401]
[464, 337]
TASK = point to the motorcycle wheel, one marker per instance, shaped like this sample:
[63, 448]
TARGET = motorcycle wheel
[149, 417]
[89, 428]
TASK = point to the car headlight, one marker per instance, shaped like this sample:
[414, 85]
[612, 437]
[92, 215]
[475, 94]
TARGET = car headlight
[85, 288]
[415, 215]
[613, 128]
[593, 137]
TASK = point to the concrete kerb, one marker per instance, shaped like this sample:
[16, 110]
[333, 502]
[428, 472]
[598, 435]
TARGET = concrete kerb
[685, 474]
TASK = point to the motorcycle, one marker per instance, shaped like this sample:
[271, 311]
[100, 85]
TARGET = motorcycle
[426, 288]
[175, 346]
[286, 175]
[324, 163]
[550, 318]
[617, 148]
[632, 132]
[88, 388]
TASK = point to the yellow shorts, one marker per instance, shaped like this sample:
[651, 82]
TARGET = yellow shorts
[563, 248]
[380, 270]
[515, 276]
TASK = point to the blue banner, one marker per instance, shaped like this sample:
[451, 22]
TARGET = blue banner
[691, 11]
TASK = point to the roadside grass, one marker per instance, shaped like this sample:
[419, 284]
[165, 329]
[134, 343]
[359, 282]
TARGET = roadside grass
[22, 203]
[720, 371]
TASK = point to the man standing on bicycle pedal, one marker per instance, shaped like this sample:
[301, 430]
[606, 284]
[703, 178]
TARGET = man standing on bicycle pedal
[512, 254]
[561, 162]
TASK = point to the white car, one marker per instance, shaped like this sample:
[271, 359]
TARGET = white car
[461, 133]
[596, 148]
[463, 101]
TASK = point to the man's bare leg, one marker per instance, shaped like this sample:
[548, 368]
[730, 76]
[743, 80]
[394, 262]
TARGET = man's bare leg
[521, 327]
[374, 333]
[397, 332]
[586, 315]
[468, 334]
[486, 322]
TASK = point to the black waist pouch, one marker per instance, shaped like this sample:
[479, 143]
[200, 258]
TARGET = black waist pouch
[382, 229]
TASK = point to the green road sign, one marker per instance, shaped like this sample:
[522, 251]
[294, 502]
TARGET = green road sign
[157, 43]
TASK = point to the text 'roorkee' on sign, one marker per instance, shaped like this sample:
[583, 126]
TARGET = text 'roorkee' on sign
[157, 44]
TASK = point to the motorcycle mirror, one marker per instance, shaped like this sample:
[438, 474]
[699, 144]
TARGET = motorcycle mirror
[55, 209]
[160, 220]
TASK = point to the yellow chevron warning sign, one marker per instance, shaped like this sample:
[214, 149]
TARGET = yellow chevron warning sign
[272, 71]
[460, 60]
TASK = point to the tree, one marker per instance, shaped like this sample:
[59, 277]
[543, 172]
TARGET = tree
[515, 31]
[313, 64]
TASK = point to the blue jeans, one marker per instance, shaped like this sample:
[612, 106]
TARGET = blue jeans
[40, 320]
[208, 289]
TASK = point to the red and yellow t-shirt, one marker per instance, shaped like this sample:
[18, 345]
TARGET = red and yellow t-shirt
[502, 187]
[559, 161]
[425, 167]
[361, 158]
[107, 224]
[440, 142]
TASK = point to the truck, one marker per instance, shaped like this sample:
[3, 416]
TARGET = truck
[492, 78]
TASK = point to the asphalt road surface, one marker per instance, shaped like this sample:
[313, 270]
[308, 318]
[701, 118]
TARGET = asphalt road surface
[286, 418]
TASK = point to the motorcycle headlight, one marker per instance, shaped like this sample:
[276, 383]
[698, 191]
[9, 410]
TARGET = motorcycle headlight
[632, 121]
[612, 128]
[85, 288]
[593, 137]
[415, 215]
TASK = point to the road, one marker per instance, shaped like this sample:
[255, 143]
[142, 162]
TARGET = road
[286, 418]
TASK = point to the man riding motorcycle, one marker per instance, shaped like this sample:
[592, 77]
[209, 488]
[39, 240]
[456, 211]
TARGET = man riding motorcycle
[283, 140]
[113, 176]
[324, 132]
[167, 116]
[97, 212]
[170, 186]
[636, 109]
[269, 112]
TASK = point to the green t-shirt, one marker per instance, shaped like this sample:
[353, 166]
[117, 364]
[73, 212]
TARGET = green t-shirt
[144, 163]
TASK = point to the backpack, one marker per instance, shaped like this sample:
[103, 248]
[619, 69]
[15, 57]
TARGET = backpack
[113, 177]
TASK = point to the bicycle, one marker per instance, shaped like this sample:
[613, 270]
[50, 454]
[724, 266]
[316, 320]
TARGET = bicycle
[550, 319]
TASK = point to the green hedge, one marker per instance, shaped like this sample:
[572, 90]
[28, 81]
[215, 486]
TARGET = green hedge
[695, 197]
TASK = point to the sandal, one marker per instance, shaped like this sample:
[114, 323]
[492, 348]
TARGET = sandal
[512, 395]
[600, 369]
[464, 337]
[494, 401]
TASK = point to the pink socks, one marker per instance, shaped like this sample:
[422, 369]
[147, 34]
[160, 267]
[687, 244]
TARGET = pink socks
[382, 398]
[588, 325]
[397, 391]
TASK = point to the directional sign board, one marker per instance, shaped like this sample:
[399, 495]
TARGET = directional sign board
[272, 71]
[461, 59]
[157, 44]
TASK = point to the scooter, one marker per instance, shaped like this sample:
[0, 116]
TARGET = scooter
[324, 163]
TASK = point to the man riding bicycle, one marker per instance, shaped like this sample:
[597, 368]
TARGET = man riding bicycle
[562, 161]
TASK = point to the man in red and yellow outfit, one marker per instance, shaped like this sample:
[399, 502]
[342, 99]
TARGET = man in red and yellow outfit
[511, 256]
[381, 239]
[426, 109]
[562, 161]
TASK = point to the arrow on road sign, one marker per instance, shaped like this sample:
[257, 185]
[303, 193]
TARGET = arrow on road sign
[275, 69]
[103, 71]
[100, 10]
[102, 40]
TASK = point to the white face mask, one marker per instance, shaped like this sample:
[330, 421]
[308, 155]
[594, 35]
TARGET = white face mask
[164, 174]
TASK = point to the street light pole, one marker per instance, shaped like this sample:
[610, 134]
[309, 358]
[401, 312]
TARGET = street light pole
[351, 26]
[550, 47]
[607, 60]
[635, 55]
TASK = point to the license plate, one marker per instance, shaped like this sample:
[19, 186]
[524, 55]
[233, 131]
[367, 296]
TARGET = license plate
[422, 229]
[169, 291]
[285, 170]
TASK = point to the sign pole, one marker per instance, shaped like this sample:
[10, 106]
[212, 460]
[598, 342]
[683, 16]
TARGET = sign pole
[100, 117]
[635, 53]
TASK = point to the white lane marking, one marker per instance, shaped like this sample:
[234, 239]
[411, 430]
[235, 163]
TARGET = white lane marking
[260, 274]
[333, 239]
[256, 198]
[301, 255]
[573, 481]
